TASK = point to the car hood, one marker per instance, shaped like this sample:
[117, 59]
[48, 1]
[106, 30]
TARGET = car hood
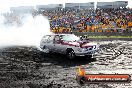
[80, 43]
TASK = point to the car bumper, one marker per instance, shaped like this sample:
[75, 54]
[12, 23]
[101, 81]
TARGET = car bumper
[86, 53]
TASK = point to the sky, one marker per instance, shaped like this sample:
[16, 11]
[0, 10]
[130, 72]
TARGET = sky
[15, 3]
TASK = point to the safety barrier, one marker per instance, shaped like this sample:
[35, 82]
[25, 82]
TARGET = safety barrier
[120, 32]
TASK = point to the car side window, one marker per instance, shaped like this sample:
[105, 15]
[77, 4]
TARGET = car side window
[50, 39]
[57, 39]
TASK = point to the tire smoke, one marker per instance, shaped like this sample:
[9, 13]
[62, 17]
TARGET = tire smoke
[26, 30]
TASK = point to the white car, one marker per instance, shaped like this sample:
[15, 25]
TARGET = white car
[68, 44]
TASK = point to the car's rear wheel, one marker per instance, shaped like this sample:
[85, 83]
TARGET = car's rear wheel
[45, 49]
[70, 54]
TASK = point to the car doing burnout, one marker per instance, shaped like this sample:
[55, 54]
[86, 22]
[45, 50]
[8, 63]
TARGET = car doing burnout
[68, 44]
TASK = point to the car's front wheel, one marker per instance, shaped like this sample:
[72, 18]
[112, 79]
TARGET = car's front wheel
[89, 57]
[70, 54]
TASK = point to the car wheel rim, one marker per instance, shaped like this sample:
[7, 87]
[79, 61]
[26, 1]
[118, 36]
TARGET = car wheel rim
[71, 55]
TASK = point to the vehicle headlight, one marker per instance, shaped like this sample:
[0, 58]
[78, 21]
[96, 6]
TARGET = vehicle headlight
[94, 47]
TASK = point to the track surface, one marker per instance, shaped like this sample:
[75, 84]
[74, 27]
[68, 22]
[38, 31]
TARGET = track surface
[20, 67]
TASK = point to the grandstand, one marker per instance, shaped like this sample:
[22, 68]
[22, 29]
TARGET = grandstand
[115, 5]
[108, 17]
[79, 6]
[49, 7]
[82, 17]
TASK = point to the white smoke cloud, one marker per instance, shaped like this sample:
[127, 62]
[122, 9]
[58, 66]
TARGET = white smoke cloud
[30, 33]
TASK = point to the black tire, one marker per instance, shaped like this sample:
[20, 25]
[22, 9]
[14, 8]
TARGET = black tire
[89, 57]
[70, 54]
[46, 48]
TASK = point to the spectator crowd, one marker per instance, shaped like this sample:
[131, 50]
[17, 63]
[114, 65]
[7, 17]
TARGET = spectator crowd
[89, 20]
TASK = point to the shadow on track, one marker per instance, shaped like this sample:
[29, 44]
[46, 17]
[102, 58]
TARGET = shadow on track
[62, 60]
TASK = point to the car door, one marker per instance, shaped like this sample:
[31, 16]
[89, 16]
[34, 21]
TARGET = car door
[63, 47]
[57, 44]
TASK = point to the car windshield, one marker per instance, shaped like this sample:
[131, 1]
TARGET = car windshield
[70, 38]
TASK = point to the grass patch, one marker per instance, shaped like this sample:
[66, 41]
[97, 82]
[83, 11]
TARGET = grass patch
[108, 36]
